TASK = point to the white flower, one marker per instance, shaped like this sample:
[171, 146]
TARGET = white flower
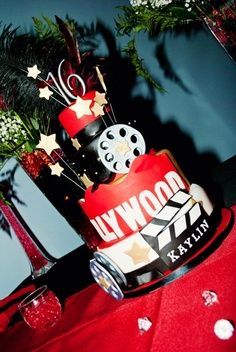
[135, 3]
[159, 3]
[11, 128]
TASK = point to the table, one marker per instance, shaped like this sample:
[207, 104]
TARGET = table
[181, 321]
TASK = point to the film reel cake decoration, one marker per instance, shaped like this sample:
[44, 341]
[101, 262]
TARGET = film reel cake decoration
[105, 280]
[113, 268]
[118, 146]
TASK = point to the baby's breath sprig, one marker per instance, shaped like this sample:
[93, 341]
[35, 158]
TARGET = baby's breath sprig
[15, 135]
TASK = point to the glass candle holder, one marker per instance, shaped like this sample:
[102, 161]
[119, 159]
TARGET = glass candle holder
[41, 309]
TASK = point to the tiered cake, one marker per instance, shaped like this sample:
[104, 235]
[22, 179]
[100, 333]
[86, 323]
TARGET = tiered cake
[151, 224]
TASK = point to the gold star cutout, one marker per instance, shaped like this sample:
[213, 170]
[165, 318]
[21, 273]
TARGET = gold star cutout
[48, 143]
[100, 98]
[104, 282]
[56, 169]
[86, 181]
[81, 107]
[33, 71]
[122, 147]
[97, 109]
[45, 93]
[75, 143]
[138, 254]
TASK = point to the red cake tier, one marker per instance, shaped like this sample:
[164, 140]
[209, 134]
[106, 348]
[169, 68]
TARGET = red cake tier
[122, 208]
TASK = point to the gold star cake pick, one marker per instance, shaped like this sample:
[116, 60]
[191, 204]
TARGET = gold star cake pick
[56, 169]
[81, 107]
[48, 143]
[45, 92]
[75, 143]
[33, 71]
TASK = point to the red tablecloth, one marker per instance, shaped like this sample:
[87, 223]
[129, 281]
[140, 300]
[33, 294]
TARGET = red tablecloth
[93, 321]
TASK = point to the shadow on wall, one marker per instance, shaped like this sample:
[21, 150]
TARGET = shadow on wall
[121, 80]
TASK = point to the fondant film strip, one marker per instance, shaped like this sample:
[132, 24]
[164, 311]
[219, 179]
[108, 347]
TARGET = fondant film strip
[130, 254]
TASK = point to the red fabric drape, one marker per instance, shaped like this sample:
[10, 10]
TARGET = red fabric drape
[9, 305]
[93, 321]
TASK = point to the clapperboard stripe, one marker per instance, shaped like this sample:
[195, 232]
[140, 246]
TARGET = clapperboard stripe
[194, 213]
[178, 227]
[172, 232]
[163, 238]
[166, 214]
[154, 227]
[180, 197]
[184, 210]
[175, 229]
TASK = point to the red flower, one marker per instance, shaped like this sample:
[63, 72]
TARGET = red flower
[34, 162]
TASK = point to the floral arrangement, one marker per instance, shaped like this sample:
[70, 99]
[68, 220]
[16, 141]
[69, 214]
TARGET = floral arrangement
[12, 133]
[25, 110]
[157, 16]
[17, 135]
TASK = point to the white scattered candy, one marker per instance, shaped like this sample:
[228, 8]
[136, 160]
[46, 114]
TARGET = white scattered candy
[144, 324]
[210, 297]
[224, 329]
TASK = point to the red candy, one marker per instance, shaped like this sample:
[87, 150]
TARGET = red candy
[41, 312]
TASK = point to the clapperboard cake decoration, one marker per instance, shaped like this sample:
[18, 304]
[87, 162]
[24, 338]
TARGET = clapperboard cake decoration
[183, 234]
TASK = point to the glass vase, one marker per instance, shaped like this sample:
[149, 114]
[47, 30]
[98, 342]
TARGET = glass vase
[222, 25]
[38, 260]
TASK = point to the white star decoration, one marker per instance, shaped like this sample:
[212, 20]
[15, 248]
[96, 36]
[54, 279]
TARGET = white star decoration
[33, 71]
[45, 92]
[100, 98]
[97, 109]
[81, 107]
[75, 143]
[56, 169]
[48, 143]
